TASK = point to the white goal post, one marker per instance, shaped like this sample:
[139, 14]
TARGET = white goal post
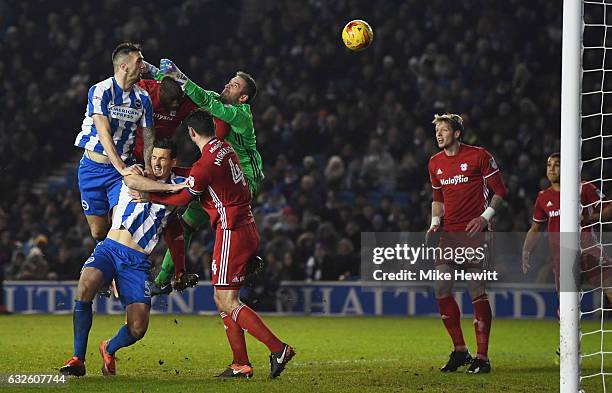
[569, 306]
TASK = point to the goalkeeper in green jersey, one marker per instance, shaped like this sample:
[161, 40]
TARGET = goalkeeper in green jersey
[231, 106]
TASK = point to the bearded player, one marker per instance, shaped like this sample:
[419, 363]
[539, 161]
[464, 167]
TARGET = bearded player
[596, 266]
[220, 185]
[233, 107]
[461, 176]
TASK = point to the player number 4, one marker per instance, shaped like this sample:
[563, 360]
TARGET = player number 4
[214, 267]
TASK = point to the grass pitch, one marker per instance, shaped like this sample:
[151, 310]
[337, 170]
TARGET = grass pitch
[182, 353]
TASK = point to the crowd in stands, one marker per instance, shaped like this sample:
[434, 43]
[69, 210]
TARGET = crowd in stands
[345, 137]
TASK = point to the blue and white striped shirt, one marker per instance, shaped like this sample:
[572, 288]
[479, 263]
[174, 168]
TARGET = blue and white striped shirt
[144, 220]
[125, 110]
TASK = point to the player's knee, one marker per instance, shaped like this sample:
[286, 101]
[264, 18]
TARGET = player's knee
[98, 234]
[85, 291]
[138, 329]
[225, 303]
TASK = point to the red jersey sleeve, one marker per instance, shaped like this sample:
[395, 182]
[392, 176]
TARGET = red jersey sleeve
[590, 195]
[488, 166]
[150, 85]
[179, 199]
[539, 214]
[436, 186]
[199, 177]
[222, 129]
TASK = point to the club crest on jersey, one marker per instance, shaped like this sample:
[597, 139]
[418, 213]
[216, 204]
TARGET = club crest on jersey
[493, 163]
[172, 113]
[85, 205]
[457, 179]
[138, 103]
[463, 166]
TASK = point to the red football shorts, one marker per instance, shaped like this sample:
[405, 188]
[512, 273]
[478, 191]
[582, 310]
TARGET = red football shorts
[234, 249]
[461, 251]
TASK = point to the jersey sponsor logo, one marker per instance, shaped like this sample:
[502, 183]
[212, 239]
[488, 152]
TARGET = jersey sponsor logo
[457, 179]
[549, 204]
[124, 113]
[159, 116]
[439, 172]
[85, 205]
[553, 213]
[237, 174]
[493, 163]
[463, 166]
[190, 181]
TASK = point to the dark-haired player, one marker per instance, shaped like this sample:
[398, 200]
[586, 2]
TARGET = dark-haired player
[461, 176]
[220, 185]
[546, 211]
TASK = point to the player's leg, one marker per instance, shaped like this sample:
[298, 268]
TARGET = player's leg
[135, 294]
[234, 249]
[96, 271]
[192, 219]
[451, 318]
[482, 324]
[96, 183]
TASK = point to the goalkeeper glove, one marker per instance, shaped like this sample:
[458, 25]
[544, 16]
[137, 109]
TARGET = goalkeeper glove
[168, 68]
[151, 69]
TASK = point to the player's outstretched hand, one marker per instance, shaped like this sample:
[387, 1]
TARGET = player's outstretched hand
[476, 225]
[138, 196]
[525, 264]
[178, 187]
[168, 68]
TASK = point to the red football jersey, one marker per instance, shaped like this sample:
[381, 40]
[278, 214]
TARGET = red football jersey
[166, 122]
[462, 179]
[219, 182]
[547, 209]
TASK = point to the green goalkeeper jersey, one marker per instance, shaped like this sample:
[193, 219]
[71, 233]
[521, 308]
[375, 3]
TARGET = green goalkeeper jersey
[242, 137]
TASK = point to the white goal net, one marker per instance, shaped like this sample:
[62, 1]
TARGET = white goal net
[595, 337]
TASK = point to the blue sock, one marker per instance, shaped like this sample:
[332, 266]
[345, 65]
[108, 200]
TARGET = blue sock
[123, 338]
[81, 322]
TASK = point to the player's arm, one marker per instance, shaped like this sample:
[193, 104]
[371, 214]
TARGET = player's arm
[103, 128]
[144, 184]
[493, 178]
[148, 133]
[198, 184]
[437, 205]
[235, 115]
[531, 239]
[592, 196]
[148, 137]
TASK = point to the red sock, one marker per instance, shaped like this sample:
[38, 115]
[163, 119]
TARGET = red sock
[482, 323]
[252, 323]
[173, 235]
[235, 336]
[449, 311]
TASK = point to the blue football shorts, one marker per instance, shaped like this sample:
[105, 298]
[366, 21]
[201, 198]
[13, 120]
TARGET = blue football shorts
[129, 268]
[100, 185]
